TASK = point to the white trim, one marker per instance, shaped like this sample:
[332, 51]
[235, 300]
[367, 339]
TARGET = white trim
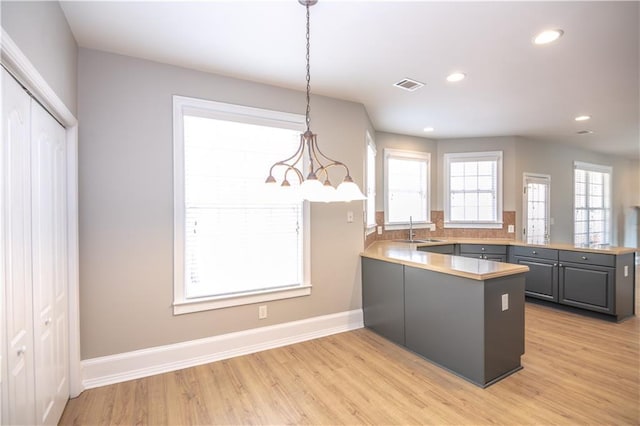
[416, 155]
[203, 304]
[371, 192]
[23, 70]
[403, 226]
[118, 368]
[592, 167]
[473, 156]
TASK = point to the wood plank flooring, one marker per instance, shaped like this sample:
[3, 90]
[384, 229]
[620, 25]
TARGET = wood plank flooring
[577, 370]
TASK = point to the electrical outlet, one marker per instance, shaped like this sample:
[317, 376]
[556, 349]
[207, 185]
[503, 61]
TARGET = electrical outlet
[505, 301]
[511, 229]
[626, 270]
[379, 230]
[349, 216]
[432, 227]
[262, 312]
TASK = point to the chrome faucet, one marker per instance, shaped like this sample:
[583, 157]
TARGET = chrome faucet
[411, 234]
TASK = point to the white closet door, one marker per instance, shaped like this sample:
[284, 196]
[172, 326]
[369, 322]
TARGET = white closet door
[50, 302]
[18, 389]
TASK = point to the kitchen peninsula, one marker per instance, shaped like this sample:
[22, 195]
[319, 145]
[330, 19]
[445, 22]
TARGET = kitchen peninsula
[464, 314]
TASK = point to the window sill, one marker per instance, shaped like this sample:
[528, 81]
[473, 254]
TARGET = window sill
[403, 226]
[482, 225]
[205, 304]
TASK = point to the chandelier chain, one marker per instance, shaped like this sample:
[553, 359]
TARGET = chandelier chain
[308, 113]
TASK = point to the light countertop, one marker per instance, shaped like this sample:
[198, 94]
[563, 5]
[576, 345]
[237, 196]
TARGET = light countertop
[558, 246]
[408, 255]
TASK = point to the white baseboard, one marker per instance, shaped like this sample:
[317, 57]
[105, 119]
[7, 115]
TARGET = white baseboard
[162, 359]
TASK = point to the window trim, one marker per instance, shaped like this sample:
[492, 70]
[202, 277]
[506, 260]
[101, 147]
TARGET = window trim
[419, 155]
[448, 158]
[370, 228]
[591, 167]
[210, 109]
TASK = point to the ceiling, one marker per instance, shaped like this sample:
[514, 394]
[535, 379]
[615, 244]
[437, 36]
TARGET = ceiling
[359, 49]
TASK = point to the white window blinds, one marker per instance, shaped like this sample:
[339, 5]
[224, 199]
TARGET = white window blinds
[238, 239]
[592, 200]
[406, 186]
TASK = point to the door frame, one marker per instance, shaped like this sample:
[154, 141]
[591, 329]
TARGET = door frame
[20, 66]
[525, 198]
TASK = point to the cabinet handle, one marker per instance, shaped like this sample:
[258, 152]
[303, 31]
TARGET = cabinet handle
[560, 265]
[482, 249]
[47, 321]
[584, 257]
[534, 252]
[555, 264]
[480, 256]
[22, 350]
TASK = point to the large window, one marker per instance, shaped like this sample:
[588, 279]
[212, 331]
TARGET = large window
[473, 189]
[235, 242]
[371, 185]
[592, 201]
[406, 178]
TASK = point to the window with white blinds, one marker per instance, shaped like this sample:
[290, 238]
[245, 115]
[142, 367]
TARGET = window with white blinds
[473, 189]
[592, 201]
[371, 184]
[236, 241]
[406, 179]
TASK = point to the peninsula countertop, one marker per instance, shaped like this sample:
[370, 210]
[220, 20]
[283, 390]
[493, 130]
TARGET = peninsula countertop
[408, 255]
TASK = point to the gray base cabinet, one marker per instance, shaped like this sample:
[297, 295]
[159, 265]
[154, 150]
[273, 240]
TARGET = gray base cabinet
[457, 323]
[383, 298]
[598, 282]
[542, 279]
[442, 249]
[497, 253]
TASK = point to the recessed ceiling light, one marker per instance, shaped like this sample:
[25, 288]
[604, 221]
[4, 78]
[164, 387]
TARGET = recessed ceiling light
[428, 129]
[548, 36]
[585, 132]
[456, 76]
[582, 118]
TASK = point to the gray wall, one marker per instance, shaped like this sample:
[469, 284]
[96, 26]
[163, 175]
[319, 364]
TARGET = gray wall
[557, 160]
[521, 155]
[41, 31]
[126, 217]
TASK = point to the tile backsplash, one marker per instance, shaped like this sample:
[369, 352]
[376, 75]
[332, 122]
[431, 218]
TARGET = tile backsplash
[437, 217]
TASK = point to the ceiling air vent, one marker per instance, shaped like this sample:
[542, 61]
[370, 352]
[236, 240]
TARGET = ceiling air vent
[408, 84]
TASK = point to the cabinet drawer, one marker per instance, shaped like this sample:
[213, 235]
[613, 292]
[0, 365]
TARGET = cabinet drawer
[481, 249]
[542, 253]
[588, 258]
[445, 249]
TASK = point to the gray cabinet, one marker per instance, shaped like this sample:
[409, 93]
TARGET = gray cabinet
[497, 253]
[542, 279]
[587, 281]
[383, 298]
[598, 282]
[443, 249]
[458, 323]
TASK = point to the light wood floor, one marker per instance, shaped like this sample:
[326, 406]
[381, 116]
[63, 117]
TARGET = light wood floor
[577, 370]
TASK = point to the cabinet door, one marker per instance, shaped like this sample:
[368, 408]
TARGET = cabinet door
[542, 279]
[588, 287]
[18, 378]
[383, 298]
[49, 248]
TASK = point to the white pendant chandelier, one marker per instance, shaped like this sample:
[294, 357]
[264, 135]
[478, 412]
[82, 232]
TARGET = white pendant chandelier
[316, 186]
